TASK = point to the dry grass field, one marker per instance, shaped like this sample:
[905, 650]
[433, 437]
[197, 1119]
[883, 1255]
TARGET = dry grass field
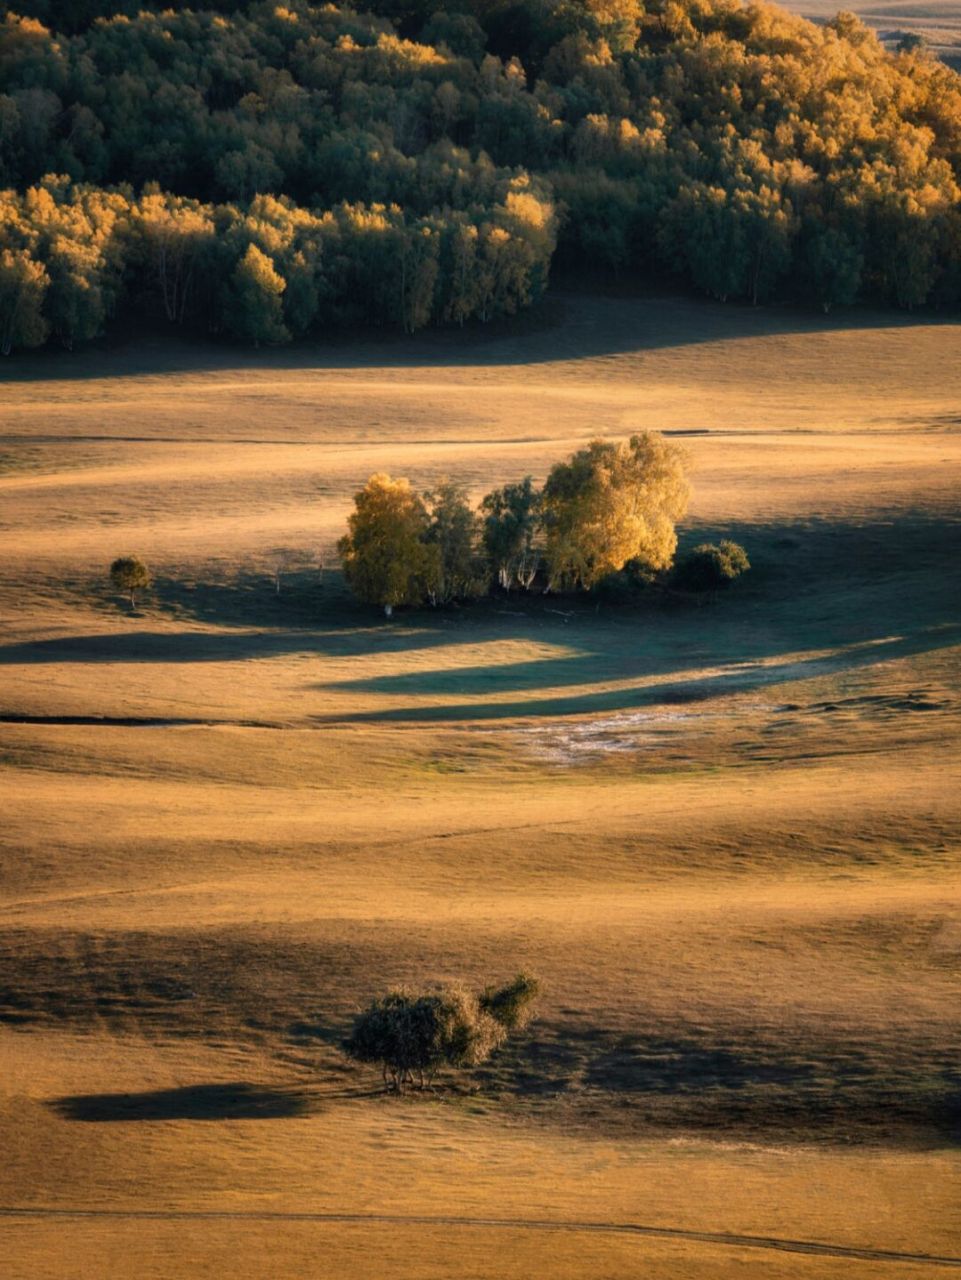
[938, 22]
[725, 838]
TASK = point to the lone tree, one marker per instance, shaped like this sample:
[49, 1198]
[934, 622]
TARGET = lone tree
[130, 575]
[385, 557]
[611, 503]
[710, 567]
[407, 1034]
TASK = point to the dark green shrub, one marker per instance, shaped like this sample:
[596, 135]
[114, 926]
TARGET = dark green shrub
[710, 566]
[622, 587]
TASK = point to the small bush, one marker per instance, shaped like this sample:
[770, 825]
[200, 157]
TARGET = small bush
[408, 1034]
[616, 589]
[710, 567]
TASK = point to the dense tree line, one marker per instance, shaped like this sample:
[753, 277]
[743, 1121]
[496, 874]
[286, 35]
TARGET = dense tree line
[72, 16]
[746, 151]
[264, 271]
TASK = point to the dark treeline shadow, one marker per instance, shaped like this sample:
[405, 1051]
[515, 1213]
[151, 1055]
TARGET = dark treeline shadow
[566, 325]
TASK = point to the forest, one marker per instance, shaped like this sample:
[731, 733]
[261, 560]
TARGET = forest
[264, 171]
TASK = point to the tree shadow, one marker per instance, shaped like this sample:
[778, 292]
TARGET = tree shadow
[815, 1086]
[743, 677]
[822, 597]
[568, 324]
[306, 617]
[228, 1101]
[199, 647]
[252, 598]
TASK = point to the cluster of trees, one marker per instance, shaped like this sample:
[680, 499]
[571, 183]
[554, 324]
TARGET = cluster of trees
[604, 519]
[744, 150]
[412, 1037]
[610, 508]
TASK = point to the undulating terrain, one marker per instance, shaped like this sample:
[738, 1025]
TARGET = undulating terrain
[725, 837]
[937, 22]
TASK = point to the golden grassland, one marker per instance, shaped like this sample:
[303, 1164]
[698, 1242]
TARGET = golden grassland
[724, 837]
[939, 23]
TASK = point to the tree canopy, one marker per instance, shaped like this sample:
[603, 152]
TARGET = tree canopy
[611, 503]
[406, 163]
[457, 567]
[385, 553]
[130, 575]
[510, 526]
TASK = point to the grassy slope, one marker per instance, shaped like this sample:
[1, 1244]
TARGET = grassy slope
[938, 21]
[725, 838]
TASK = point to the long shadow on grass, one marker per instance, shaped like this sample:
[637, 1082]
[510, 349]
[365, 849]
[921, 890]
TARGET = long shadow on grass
[816, 1086]
[568, 325]
[229, 1101]
[255, 622]
[853, 594]
[589, 669]
[189, 646]
[867, 591]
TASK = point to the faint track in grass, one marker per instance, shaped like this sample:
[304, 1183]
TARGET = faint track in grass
[136, 722]
[24, 904]
[722, 1238]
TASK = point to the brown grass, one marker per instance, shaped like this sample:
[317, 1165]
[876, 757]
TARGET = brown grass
[725, 838]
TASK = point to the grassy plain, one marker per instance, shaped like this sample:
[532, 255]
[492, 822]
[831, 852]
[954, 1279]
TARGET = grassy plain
[938, 22]
[725, 838]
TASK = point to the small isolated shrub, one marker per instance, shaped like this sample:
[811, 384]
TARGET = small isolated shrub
[710, 567]
[412, 1035]
[129, 574]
